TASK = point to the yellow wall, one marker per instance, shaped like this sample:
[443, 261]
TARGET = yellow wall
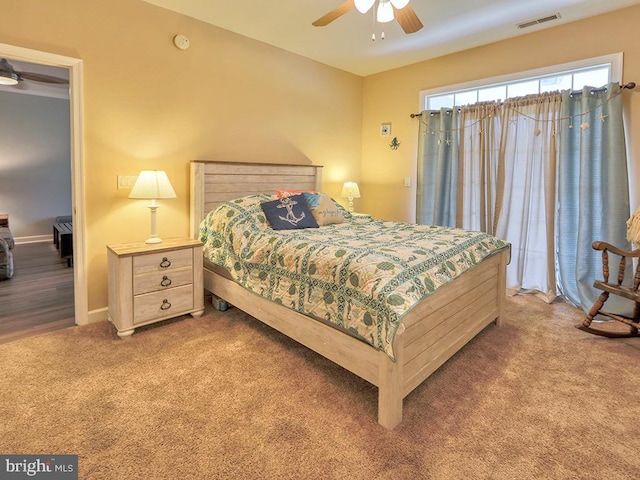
[148, 105]
[392, 96]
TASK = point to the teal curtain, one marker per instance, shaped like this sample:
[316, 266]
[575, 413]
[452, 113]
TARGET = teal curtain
[592, 184]
[593, 189]
[438, 167]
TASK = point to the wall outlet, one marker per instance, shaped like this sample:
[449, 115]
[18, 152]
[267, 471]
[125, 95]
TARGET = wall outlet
[126, 182]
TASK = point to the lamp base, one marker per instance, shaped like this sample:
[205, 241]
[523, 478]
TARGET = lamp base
[154, 237]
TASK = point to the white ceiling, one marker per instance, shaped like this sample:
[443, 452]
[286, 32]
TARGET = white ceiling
[449, 26]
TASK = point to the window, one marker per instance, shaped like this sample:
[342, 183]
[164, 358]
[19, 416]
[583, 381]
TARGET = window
[595, 72]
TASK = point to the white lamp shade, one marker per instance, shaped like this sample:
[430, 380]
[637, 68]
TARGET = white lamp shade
[350, 190]
[152, 184]
[363, 6]
[399, 4]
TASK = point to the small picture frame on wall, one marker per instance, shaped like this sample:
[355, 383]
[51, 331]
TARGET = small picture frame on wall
[385, 129]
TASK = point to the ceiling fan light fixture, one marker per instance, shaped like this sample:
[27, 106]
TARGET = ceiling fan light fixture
[363, 6]
[399, 4]
[8, 75]
[385, 12]
[8, 78]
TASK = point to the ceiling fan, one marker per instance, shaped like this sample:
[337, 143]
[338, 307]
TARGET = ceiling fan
[386, 11]
[9, 76]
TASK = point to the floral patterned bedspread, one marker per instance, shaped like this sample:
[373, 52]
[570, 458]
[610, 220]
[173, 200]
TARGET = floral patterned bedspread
[363, 275]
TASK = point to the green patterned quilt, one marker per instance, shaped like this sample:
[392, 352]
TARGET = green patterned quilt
[362, 276]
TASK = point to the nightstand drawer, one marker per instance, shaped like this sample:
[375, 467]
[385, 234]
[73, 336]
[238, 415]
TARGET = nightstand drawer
[155, 281]
[162, 261]
[166, 303]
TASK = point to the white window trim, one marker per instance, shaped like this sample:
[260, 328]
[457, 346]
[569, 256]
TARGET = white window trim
[614, 59]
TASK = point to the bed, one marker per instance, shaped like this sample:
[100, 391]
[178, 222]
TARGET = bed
[426, 336]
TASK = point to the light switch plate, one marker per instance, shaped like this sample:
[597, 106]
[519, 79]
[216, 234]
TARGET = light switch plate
[385, 129]
[126, 182]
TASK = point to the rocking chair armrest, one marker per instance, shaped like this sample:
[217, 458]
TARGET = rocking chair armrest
[613, 249]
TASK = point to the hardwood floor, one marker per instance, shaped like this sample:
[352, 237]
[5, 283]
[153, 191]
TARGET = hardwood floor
[39, 297]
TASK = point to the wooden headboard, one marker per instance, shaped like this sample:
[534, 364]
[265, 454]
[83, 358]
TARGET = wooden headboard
[213, 183]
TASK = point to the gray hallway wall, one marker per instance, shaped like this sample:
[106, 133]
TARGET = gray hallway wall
[35, 162]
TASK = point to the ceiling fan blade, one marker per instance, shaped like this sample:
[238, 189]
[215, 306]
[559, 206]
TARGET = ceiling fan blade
[335, 13]
[408, 19]
[40, 77]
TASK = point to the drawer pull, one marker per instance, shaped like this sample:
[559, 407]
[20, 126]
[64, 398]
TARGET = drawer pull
[165, 263]
[166, 281]
[166, 305]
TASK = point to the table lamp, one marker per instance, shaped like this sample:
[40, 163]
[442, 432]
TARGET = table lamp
[152, 185]
[350, 190]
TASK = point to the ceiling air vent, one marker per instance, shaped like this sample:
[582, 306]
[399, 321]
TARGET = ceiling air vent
[538, 21]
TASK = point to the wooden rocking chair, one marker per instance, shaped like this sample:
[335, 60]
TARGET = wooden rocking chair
[629, 292]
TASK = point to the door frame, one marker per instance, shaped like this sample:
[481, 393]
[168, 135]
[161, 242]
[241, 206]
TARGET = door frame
[74, 65]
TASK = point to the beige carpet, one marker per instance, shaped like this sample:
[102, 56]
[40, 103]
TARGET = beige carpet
[226, 397]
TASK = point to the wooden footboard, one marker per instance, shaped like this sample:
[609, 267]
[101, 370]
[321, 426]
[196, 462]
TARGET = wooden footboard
[430, 334]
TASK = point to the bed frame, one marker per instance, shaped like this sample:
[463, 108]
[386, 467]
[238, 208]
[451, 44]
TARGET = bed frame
[428, 336]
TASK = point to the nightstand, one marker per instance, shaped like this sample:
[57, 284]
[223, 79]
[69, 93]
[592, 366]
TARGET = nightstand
[153, 282]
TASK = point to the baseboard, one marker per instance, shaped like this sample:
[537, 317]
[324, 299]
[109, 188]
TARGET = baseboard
[98, 315]
[34, 239]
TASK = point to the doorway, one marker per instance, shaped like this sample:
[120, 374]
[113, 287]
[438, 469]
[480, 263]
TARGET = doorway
[74, 67]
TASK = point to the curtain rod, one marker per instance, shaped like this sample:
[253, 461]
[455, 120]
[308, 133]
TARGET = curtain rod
[630, 86]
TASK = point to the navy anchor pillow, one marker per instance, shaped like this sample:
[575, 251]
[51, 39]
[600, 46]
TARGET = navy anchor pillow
[289, 213]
